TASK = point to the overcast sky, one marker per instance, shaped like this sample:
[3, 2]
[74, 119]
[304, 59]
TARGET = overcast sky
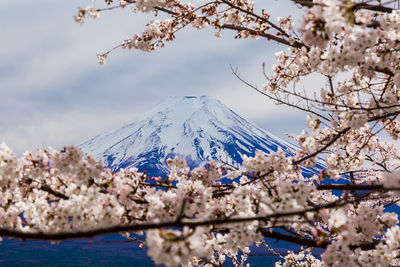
[54, 93]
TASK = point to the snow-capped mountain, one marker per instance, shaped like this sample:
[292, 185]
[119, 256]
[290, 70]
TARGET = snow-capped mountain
[195, 128]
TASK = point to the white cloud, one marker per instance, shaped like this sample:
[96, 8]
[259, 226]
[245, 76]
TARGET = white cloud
[58, 129]
[55, 93]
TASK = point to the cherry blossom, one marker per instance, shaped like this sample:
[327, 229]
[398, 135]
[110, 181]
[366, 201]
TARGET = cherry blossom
[207, 215]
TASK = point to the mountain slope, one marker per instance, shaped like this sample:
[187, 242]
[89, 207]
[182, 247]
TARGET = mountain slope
[195, 128]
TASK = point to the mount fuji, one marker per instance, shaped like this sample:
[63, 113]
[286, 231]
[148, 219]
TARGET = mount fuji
[198, 129]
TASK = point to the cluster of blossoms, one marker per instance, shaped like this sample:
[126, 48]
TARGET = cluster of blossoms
[210, 214]
[61, 192]
[89, 11]
[155, 30]
[54, 191]
[302, 259]
[226, 14]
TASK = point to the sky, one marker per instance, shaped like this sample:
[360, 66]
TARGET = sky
[54, 93]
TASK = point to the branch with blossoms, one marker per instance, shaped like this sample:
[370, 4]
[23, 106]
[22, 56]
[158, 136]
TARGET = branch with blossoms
[59, 236]
[128, 201]
[238, 16]
[354, 6]
[180, 223]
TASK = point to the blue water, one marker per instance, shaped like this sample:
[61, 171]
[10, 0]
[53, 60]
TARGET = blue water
[84, 253]
[72, 253]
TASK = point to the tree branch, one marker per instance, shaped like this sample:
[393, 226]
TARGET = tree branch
[331, 142]
[59, 236]
[295, 240]
[357, 6]
[296, 44]
[48, 189]
[374, 187]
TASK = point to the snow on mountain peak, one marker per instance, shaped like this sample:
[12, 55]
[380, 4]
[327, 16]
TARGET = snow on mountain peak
[196, 128]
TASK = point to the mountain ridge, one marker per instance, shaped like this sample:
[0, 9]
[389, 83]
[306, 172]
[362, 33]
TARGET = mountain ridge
[195, 128]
